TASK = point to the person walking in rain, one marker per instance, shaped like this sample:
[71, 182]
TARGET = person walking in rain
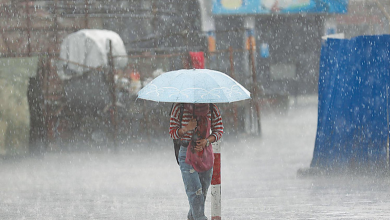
[200, 125]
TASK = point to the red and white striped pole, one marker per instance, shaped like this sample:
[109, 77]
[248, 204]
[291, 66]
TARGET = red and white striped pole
[216, 183]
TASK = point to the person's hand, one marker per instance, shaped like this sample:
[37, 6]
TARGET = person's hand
[200, 145]
[191, 124]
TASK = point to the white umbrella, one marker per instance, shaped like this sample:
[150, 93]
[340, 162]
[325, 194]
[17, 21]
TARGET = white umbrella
[194, 86]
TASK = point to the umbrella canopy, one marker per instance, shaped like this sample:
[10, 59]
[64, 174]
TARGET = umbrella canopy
[194, 86]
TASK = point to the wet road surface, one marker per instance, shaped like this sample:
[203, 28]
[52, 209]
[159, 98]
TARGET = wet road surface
[143, 181]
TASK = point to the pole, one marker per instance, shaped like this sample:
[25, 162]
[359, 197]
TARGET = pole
[113, 111]
[56, 25]
[211, 46]
[28, 21]
[255, 88]
[216, 183]
[45, 88]
[86, 23]
[232, 75]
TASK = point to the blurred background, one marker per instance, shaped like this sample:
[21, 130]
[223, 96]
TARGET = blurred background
[272, 49]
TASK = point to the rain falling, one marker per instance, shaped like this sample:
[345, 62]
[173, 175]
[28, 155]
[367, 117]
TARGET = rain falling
[87, 116]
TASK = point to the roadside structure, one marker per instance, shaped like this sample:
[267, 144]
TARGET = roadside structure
[161, 32]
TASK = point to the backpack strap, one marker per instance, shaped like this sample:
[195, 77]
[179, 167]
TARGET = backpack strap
[181, 112]
[211, 107]
[177, 142]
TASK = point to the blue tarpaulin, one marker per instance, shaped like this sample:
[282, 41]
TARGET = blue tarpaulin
[353, 103]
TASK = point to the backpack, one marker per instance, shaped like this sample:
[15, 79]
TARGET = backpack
[177, 142]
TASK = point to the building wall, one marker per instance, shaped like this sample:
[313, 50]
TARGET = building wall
[37, 28]
[364, 17]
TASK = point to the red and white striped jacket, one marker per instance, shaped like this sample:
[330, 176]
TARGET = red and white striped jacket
[216, 125]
